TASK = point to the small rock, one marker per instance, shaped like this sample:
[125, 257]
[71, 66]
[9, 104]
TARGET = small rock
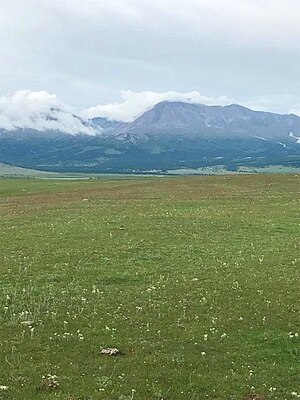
[111, 351]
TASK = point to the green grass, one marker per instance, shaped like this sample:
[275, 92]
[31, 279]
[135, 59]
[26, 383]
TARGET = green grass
[195, 280]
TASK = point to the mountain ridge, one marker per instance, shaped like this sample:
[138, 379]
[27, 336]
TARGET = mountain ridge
[168, 135]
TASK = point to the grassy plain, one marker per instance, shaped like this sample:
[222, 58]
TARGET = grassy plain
[194, 279]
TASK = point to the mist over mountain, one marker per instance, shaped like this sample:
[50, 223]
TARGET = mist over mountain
[172, 134]
[40, 111]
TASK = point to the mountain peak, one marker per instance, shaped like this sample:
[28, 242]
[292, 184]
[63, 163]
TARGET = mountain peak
[237, 107]
[175, 103]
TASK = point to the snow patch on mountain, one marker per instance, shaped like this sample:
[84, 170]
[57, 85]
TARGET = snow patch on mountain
[295, 137]
[282, 144]
[261, 138]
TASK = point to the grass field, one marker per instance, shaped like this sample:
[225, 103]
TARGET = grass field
[194, 279]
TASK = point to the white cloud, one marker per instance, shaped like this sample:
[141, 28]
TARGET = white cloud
[135, 103]
[32, 110]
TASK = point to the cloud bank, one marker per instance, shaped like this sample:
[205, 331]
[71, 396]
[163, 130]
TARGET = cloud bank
[135, 103]
[40, 111]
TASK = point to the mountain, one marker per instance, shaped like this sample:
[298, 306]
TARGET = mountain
[170, 135]
[106, 125]
[200, 120]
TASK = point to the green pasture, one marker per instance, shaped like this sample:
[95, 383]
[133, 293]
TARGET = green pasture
[194, 279]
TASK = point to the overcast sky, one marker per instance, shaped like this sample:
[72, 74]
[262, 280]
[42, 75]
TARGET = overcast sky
[117, 57]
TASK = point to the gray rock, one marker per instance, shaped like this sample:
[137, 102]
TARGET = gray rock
[111, 351]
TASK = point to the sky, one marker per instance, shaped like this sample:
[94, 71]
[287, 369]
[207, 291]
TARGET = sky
[116, 58]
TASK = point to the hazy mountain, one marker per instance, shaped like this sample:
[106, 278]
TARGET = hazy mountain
[169, 135]
[200, 120]
[106, 125]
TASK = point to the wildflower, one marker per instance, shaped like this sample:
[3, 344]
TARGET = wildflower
[292, 335]
[27, 323]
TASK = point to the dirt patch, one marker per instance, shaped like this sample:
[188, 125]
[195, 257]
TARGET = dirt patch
[255, 397]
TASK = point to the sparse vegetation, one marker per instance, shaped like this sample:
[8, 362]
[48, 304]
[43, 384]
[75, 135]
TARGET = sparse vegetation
[195, 280]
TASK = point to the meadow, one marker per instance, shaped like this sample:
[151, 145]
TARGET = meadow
[194, 279]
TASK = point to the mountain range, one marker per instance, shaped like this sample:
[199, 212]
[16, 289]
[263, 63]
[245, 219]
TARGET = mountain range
[168, 136]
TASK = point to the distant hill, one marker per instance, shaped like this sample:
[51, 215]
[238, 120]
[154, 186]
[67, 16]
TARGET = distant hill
[7, 170]
[170, 135]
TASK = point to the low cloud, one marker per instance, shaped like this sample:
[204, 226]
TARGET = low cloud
[135, 103]
[40, 111]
